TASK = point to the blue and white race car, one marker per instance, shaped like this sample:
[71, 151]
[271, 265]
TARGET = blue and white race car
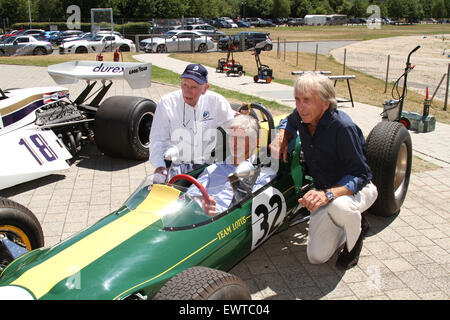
[41, 128]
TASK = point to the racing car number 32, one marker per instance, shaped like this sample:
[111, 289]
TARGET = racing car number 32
[42, 148]
[268, 212]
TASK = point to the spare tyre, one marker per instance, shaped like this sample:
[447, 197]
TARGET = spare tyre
[389, 155]
[122, 127]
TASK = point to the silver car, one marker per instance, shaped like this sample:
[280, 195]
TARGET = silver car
[25, 45]
[177, 40]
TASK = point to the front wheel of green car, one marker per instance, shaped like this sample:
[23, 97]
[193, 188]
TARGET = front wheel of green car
[201, 283]
[19, 226]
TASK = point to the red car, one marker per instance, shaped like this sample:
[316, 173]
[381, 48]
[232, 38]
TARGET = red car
[12, 33]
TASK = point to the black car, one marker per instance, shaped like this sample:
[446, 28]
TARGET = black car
[251, 39]
[296, 22]
[258, 22]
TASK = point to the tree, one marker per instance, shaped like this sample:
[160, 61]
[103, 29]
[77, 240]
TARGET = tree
[438, 9]
[359, 8]
[301, 8]
[397, 8]
[344, 8]
[14, 10]
[323, 7]
[414, 11]
[281, 8]
[335, 4]
[426, 6]
[258, 8]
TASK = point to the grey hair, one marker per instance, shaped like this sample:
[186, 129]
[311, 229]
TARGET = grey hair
[245, 122]
[319, 82]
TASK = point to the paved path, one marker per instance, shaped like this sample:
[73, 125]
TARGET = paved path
[402, 258]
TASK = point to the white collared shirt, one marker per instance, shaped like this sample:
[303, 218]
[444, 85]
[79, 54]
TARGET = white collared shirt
[191, 129]
[215, 180]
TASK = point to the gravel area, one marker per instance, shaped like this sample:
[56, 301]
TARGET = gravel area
[431, 60]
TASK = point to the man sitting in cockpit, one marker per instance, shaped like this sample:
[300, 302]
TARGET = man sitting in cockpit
[243, 140]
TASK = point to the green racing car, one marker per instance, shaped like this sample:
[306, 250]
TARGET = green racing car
[161, 245]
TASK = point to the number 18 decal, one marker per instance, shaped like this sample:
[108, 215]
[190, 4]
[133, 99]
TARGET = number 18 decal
[42, 147]
[268, 212]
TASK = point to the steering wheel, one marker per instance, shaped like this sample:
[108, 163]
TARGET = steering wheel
[191, 180]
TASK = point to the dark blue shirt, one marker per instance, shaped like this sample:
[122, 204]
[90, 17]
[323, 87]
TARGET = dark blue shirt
[335, 154]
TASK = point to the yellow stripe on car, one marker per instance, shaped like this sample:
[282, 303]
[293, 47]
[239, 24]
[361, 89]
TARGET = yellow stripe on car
[43, 277]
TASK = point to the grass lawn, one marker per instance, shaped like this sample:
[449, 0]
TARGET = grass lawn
[350, 32]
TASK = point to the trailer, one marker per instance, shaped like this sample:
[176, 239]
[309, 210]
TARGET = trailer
[315, 19]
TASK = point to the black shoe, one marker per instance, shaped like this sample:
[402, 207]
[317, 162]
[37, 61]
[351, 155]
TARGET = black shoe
[347, 260]
[365, 226]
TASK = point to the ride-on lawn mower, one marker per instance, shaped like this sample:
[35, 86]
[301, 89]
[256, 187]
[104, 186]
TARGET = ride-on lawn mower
[231, 67]
[393, 109]
[264, 71]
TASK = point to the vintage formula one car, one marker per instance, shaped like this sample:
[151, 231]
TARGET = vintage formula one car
[161, 245]
[41, 128]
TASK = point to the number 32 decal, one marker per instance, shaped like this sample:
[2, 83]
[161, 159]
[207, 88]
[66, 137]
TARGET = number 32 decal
[268, 212]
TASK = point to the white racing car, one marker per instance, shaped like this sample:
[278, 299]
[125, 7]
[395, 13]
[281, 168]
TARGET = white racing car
[40, 128]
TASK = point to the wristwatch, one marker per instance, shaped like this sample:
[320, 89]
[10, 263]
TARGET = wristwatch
[330, 195]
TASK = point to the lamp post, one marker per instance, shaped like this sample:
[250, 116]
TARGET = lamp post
[29, 12]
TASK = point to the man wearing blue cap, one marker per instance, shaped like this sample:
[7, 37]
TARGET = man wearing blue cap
[185, 122]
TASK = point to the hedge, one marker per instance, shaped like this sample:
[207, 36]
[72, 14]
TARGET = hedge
[128, 29]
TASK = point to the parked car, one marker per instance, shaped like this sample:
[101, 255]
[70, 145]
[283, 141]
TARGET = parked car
[98, 43]
[280, 21]
[31, 32]
[251, 39]
[257, 22]
[46, 35]
[229, 20]
[269, 23]
[357, 20]
[59, 38]
[177, 40]
[242, 24]
[88, 35]
[296, 22]
[205, 29]
[25, 45]
[161, 29]
[221, 24]
[10, 34]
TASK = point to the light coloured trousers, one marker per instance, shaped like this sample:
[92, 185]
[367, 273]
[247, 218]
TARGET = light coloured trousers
[338, 222]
